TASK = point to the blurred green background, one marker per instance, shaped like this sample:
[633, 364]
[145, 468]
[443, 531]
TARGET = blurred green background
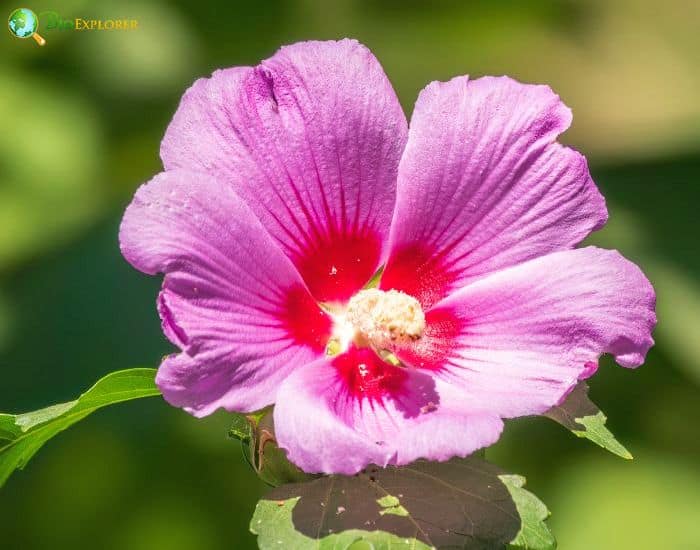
[82, 121]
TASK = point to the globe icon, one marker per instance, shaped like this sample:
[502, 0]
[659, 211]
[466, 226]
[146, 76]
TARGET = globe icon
[24, 23]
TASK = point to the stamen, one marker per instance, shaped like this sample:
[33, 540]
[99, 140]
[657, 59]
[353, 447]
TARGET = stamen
[383, 319]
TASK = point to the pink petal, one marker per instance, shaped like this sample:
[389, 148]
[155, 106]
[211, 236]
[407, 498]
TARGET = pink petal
[482, 185]
[311, 140]
[231, 300]
[516, 341]
[339, 415]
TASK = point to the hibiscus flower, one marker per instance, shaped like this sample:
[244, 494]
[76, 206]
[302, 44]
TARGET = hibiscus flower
[287, 187]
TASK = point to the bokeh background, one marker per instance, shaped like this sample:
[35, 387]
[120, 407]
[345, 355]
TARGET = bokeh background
[82, 119]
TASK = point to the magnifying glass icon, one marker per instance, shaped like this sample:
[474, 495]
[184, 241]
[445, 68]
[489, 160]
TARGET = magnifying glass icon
[23, 23]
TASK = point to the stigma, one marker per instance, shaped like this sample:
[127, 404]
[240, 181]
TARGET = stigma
[378, 319]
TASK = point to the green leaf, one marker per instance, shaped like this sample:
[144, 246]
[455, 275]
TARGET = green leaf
[583, 417]
[457, 504]
[273, 523]
[391, 505]
[23, 435]
[257, 435]
[533, 533]
[241, 428]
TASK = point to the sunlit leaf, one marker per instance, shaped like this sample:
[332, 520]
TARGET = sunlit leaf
[533, 533]
[457, 504]
[583, 417]
[23, 435]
